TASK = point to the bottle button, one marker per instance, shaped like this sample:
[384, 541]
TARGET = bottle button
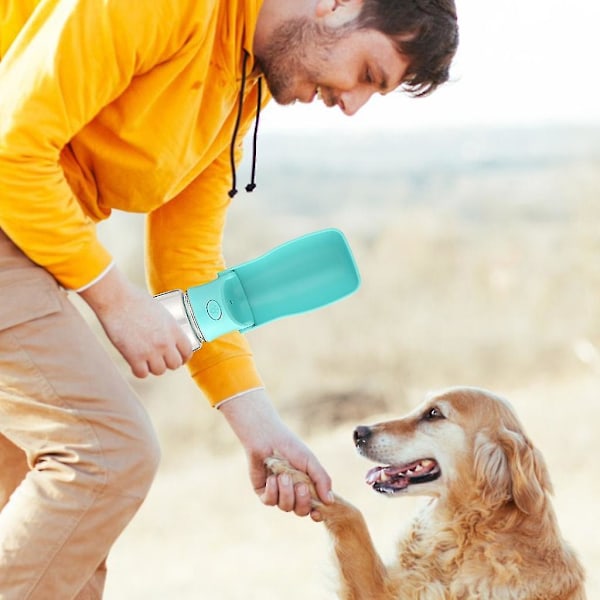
[213, 308]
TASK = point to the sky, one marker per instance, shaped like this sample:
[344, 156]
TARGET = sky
[519, 62]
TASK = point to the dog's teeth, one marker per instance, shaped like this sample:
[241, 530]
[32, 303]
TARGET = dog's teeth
[426, 463]
[384, 476]
[418, 468]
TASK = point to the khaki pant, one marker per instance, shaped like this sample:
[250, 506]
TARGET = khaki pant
[77, 450]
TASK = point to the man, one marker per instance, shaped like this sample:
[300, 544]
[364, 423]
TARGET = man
[141, 106]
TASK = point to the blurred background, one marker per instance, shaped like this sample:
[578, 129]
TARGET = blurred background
[474, 216]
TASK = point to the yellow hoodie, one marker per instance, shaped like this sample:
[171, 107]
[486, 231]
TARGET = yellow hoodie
[130, 105]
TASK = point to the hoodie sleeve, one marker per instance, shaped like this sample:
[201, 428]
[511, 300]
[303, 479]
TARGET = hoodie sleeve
[69, 61]
[184, 248]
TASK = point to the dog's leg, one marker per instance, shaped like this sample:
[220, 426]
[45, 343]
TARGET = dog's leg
[364, 576]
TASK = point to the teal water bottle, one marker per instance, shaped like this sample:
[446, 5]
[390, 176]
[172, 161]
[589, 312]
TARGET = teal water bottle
[298, 276]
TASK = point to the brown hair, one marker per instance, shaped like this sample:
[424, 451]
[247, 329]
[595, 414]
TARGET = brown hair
[424, 30]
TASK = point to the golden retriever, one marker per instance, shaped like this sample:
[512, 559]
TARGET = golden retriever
[489, 530]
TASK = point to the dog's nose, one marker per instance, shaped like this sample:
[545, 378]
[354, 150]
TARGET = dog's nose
[361, 435]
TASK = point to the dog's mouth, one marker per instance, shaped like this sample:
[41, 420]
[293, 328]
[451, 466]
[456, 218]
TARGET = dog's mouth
[392, 479]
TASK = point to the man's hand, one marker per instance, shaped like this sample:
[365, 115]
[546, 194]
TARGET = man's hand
[144, 332]
[262, 433]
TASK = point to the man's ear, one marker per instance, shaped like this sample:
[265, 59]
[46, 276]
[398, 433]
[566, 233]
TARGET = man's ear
[335, 13]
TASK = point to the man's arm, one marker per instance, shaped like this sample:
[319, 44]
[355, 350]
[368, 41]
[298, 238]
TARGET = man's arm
[69, 62]
[262, 433]
[184, 245]
[144, 333]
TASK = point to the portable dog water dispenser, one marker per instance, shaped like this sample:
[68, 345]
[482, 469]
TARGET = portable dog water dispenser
[298, 276]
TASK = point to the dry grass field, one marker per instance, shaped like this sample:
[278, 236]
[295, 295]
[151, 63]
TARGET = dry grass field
[487, 275]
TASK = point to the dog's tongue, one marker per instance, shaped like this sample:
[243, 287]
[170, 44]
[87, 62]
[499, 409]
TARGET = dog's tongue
[399, 477]
[387, 474]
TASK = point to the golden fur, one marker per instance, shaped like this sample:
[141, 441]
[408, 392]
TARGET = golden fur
[489, 530]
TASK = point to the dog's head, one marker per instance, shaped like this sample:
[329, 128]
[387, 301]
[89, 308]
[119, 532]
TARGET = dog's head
[457, 444]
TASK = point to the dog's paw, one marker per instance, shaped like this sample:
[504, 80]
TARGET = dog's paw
[278, 465]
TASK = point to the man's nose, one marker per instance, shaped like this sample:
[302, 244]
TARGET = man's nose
[353, 100]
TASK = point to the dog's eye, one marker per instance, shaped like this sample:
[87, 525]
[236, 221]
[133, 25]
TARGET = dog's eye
[433, 414]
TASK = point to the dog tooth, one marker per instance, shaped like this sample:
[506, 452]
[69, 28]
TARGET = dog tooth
[384, 476]
[426, 463]
[418, 468]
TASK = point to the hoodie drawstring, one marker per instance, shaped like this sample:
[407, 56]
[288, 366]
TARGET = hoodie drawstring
[250, 187]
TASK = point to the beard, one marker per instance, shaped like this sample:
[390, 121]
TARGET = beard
[295, 52]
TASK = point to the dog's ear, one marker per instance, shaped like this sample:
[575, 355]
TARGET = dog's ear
[529, 475]
[492, 475]
[509, 467]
